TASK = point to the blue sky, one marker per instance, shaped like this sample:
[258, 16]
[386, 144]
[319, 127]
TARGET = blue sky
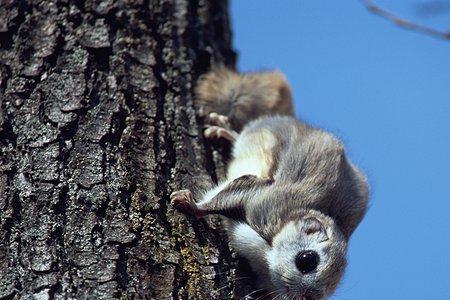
[386, 93]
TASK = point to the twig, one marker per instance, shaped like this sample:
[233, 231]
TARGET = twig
[375, 9]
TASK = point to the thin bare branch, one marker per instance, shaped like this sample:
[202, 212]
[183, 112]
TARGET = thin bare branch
[375, 9]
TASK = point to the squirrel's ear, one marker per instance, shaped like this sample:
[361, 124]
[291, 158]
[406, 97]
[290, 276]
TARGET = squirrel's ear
[314, 226]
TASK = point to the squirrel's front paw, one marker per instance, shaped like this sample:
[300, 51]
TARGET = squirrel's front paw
[184, 202]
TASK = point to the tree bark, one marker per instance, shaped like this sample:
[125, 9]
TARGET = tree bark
[97, 128]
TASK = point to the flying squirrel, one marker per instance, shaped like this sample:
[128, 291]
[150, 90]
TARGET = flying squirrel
[291, 198]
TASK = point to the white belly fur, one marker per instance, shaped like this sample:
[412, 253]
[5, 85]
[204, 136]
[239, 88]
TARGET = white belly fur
[252, 155]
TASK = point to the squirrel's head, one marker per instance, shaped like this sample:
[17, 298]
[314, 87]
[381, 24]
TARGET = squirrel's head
[304, 259]
[307, 257]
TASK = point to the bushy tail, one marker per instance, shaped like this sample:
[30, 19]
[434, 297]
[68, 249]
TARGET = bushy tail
[243, 97]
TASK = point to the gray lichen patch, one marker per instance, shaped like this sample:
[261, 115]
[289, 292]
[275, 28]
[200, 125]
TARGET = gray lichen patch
[87, 162]
[96, 35]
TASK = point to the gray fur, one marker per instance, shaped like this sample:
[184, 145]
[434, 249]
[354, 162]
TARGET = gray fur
[311, 171]
[309, 197]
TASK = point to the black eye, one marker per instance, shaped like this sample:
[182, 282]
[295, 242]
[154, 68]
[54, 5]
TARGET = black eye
[307, 261]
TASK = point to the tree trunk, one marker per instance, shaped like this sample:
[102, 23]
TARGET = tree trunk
[97, 128]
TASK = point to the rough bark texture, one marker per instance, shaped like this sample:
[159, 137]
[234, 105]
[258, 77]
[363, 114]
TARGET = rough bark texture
[97, 128]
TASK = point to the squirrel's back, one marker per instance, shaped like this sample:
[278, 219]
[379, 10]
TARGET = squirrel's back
[300, 158]
[243, 97]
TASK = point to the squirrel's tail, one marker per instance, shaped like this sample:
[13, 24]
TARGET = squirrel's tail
[243, 97]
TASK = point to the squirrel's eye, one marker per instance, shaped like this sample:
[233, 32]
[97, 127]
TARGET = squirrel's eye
[307, 261]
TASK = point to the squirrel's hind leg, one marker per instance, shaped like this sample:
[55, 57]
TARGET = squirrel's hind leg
[216, 132]
[220, 128]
